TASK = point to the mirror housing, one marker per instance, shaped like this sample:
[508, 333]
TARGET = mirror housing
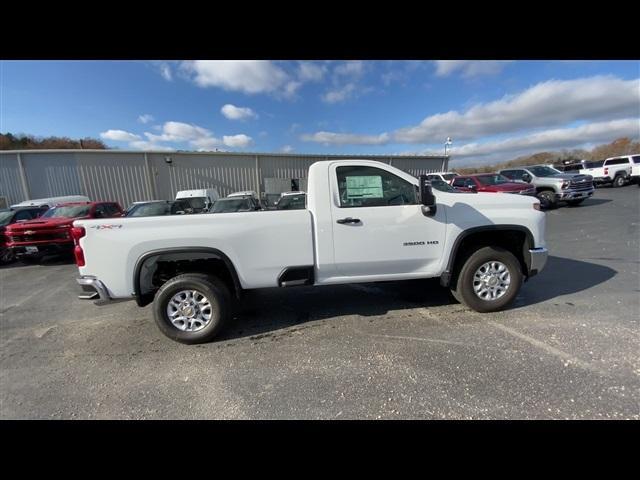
[526, 178]
[427, 198]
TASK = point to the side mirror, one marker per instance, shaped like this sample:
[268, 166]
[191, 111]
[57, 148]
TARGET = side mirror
[526, 178]
[473, 187]
[427, 198]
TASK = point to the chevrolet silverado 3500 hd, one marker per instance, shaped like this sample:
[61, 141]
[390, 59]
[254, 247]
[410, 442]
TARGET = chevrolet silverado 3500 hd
[364, 221]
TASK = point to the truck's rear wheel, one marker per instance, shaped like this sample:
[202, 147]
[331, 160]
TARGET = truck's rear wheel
[489, 280]
[619, 181]
[192, 308]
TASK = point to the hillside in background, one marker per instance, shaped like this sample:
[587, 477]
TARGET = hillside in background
[621, 146]
[30, 142]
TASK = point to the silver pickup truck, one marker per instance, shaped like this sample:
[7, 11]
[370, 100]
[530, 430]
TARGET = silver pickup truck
[553, 186]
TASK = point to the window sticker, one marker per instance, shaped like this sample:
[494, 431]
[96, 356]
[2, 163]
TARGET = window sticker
[364, 187]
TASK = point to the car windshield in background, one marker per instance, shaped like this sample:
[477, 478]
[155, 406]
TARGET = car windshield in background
[150, 210]
[442, 186]
[449, 176]
[197, 203]
[227, 205]
[292, 202]
[71, 211]
[596, 164]
[496, 179]
[542, 171]
[5, 217]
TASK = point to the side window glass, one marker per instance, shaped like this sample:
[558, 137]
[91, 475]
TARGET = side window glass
[26, 215]
[459, 182]
[360, 186]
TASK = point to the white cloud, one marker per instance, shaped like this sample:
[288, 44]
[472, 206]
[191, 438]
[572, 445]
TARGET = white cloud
[469, 68]
[165, 71]
[237, 113]
[248, 76]
[339, 94]
[237, 141]
[144, 145]
[555, 138]
[286, 149]
[330, 138]
[354, 69]
[311, 72]
[554, 102]
[119, 136]
[146, 118]
[583, 136]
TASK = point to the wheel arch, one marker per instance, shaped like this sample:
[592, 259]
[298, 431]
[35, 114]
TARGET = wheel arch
[143, 296]
[485, 236]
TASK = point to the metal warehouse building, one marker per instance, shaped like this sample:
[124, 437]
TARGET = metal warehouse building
[128, 176]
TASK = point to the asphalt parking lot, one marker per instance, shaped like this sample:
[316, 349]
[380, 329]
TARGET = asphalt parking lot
[568, 348]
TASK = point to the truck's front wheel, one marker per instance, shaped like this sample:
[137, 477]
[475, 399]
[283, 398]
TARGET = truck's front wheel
[192, 308]
[489, 280]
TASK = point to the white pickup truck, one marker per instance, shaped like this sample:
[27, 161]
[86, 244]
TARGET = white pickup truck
[616, 171]
[364, 221]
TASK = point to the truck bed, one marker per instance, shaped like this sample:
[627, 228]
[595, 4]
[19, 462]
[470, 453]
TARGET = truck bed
[258, 243]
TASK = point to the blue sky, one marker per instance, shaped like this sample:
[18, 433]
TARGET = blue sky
[492, 110]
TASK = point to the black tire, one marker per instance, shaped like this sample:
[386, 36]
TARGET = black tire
[212, 288]
[619, 181]
[547, 199]
[575, 203]
[464, 292]
[6, 256]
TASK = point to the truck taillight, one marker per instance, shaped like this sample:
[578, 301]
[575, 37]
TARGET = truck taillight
[606, 171]
[77, 233]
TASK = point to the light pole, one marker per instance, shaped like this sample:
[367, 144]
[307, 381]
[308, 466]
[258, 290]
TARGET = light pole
[448, 143]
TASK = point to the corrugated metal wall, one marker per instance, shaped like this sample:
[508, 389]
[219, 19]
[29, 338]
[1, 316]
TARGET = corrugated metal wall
[10, 183]
[131, 176]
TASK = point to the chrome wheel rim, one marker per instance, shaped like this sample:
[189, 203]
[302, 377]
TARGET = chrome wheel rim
[491, 280]
[189, 311]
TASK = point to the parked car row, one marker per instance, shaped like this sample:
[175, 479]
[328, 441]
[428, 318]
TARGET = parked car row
[545, 182]
[614, 171]
[35, 228]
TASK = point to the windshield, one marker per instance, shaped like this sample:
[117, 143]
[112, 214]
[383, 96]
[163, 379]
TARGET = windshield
[495, 179]
[5, 217]
[442, 186]
[71, 211]
[542, 171]
[149, 210]
[448, 176]
[197, 203]
[292, 202]
[232, 205]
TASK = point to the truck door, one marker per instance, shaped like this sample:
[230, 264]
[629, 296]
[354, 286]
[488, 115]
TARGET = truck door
[378, 224]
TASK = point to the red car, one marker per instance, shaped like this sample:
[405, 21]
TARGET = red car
[10, 216]
[491, 182]
[51, 233]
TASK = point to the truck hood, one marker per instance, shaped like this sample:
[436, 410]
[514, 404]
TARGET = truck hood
[41, 223]
[508, 187]
[569, 176]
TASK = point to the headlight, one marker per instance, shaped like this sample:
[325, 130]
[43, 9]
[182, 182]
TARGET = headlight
[564, 184]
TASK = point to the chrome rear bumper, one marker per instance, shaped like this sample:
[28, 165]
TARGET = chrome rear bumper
[537, 260]
[93, 289]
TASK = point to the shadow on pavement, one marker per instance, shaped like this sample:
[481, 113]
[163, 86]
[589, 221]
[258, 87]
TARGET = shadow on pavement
[47, 260]
[264, 312]
[563, 276]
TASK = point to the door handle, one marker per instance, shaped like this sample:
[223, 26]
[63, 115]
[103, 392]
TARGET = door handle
[348, 220]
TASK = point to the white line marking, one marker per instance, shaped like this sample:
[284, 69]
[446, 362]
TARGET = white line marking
[549, 349]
